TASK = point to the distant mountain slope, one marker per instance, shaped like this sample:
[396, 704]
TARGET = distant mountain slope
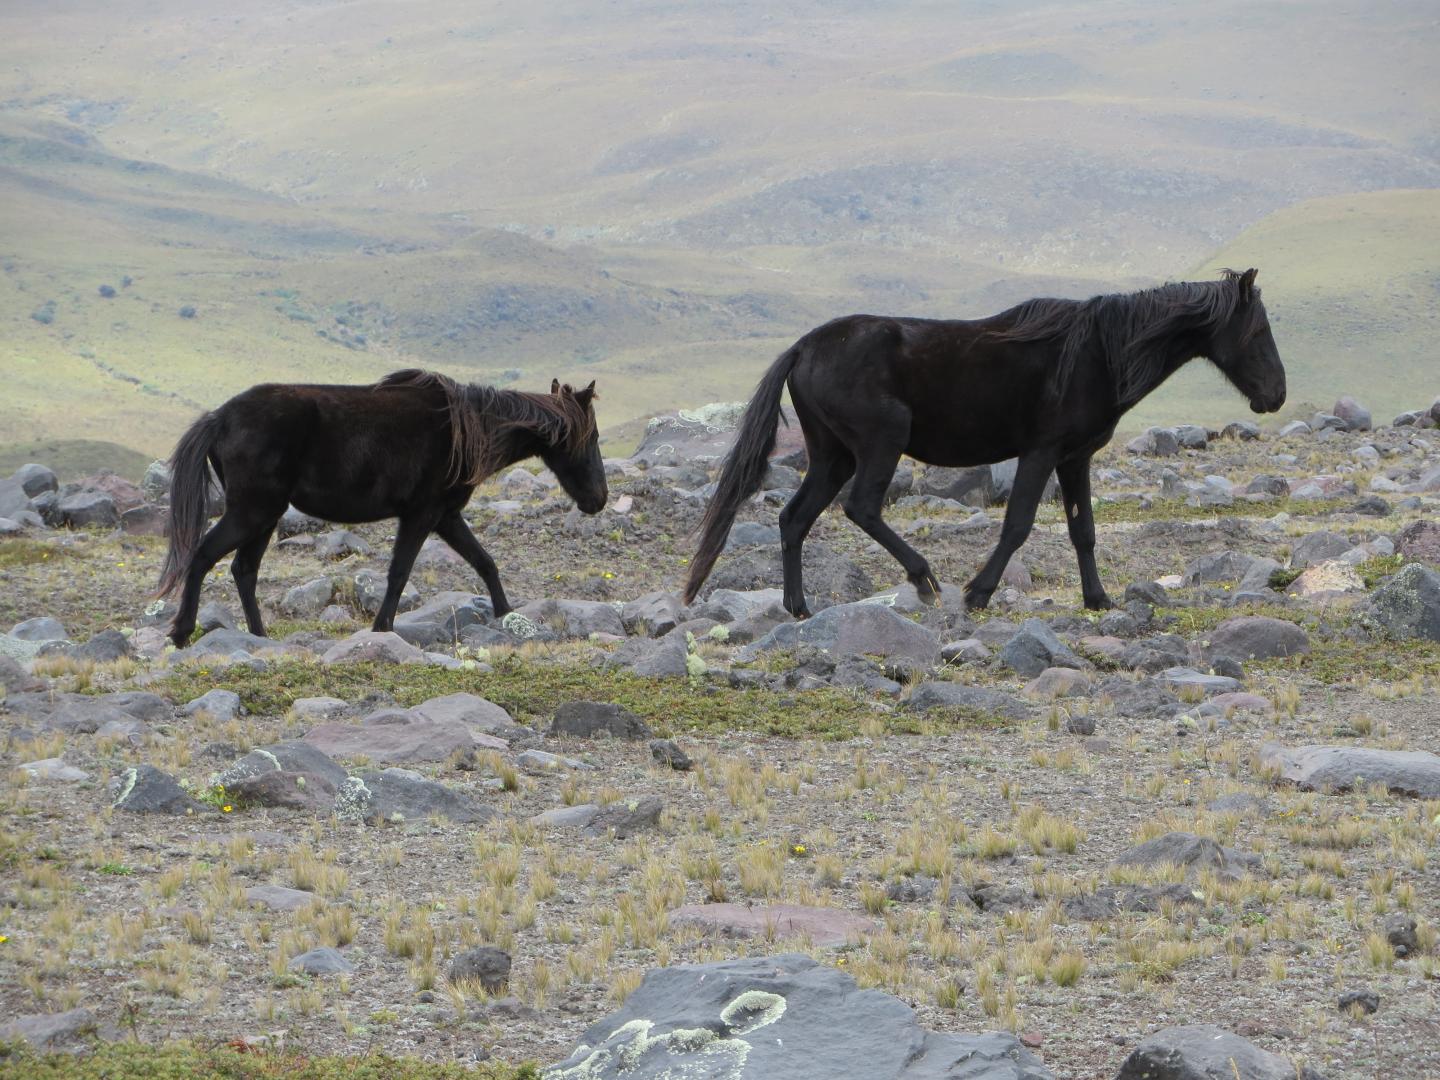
[662, 197]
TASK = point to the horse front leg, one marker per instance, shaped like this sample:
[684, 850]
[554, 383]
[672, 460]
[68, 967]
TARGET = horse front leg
[408, 538]
[453, 530]
[1031, 474]
[1080, 516]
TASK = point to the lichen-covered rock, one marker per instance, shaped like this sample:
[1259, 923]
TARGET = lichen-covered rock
[399, 795]
[144, 789]
[1408, 605]
[780, 1018]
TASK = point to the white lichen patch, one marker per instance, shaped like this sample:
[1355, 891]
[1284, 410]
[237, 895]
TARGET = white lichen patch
[352, 801]
[127, 785]
[519, 626]
[751, 1010]
[691, 1054]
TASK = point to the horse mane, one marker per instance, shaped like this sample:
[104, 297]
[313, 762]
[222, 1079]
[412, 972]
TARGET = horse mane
[1129, 330]
[477, 414]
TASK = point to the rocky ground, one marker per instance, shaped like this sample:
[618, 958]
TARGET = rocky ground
[471, 839]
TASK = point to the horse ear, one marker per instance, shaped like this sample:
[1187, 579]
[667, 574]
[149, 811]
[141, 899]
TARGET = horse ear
[585, 396]
[1247, 285]
[554, 386]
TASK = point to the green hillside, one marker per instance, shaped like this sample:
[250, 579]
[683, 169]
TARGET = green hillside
[1352, 285]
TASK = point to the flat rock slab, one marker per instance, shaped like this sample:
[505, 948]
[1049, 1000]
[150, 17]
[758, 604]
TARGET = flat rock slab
[279, 898]
[399, 737]
[476, 712]
[54, 769]
[780, 1018]
[1339, 768]
[948, 695]
[53, 1031]
[385, 647]
[860, 629]
[1183, 677]
[822, 925]
[1207, 1052]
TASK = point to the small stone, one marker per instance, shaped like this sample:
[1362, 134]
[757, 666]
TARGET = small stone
[665, 752]
[1400, 933]
[487, 965]
[1360, 1001]
[322, 961]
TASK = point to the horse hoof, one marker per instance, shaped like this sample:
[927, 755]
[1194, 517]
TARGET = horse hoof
[976, 600]
[1099, 603]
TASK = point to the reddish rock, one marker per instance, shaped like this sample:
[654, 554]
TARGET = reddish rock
[823, 926]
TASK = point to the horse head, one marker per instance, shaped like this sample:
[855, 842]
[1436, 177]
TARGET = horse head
[575, 457]
[1244, 348]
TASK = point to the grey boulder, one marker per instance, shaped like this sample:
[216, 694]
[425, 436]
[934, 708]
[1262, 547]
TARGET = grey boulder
[1256, 637]
[1207, 1052]
[959, 697]
[589, 719]
[1034, 647]
[144, 789]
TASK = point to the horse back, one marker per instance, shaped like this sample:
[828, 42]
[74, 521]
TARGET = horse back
[344, 453]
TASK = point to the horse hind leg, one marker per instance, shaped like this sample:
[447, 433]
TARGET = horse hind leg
[863, 507]
[245, 569]
[225, 536]
[829, 468]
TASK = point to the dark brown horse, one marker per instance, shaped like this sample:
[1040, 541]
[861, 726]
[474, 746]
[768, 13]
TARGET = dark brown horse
[412, 446]
[1045, 381]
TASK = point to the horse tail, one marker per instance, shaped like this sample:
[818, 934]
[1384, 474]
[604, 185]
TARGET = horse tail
[189, 498]
[744, 468]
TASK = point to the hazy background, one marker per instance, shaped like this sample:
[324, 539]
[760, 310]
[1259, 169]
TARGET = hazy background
[663, 196]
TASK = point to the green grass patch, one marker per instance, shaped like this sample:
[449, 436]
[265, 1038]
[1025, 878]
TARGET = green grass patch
[71, 458]
[1374, 571]
[1333, 662]
[531, 692]
[25, 552]
[1115, 513]
[1200, 620]
[186, 1061]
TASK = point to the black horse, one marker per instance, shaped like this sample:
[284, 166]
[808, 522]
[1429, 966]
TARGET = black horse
[412, 446]
[1045, 381]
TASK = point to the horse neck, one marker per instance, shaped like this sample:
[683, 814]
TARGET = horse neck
[515, 430]
[1136, 378]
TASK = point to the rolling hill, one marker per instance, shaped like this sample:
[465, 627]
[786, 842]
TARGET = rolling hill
[662, 198]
